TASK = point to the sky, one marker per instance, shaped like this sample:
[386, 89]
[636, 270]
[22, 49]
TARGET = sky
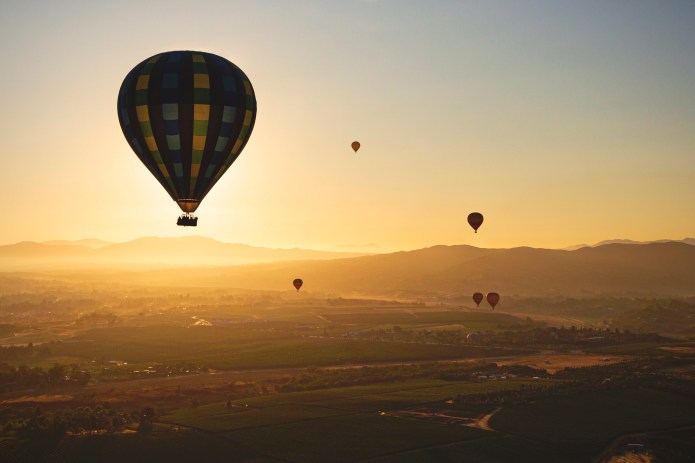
[563, 122]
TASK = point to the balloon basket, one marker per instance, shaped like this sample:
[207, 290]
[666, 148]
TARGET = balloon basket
[187, 220]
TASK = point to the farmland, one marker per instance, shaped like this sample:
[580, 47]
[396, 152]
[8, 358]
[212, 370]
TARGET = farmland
[142, 375]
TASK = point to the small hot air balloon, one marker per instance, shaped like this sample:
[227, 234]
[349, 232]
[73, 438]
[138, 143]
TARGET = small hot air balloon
[297, 283]
[478, 298]
[187, 115]
[475, 220]
[355, 145]
[493, 299]
[472, 337]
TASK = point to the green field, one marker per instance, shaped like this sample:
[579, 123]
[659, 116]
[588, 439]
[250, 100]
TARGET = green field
[596, 416]
[350, 437]
[341, 424]
[343, 400]
[404, 410]
[471, 321]
[168, 447]
[344, 424]
[248, 348]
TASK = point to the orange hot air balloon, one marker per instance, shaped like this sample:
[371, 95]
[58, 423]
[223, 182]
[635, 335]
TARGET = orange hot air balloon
[478, 298]
[355, 145]
[475, 220]
[493, 299]
[297, 283]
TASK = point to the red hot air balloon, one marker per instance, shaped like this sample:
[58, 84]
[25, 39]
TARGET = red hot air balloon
[475, 220]
[297, 283]
[478, 298]
[493, 299]
[355, 145]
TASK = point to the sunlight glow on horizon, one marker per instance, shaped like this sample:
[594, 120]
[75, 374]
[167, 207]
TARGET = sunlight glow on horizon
[562, 124]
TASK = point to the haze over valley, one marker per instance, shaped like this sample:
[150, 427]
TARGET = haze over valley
[366, 231]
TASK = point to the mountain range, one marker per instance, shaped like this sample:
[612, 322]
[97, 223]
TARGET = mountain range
[619, 270]
[150, 252]
[658, 269]
[690, 241]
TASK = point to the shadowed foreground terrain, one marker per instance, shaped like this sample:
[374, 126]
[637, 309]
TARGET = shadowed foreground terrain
[106, 366]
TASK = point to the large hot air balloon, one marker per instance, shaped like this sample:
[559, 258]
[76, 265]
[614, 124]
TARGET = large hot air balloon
[492, 299]
[187, 115]
[355, 145]
[478, 298]
[475, 220]
[297, 283]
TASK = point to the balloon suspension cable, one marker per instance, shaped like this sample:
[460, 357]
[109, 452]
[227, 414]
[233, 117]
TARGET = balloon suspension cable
[187, 219]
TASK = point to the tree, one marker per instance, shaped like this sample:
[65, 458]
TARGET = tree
[56, 374]
[147, 415]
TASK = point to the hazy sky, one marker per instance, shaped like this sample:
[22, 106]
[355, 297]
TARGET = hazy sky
[563, 122]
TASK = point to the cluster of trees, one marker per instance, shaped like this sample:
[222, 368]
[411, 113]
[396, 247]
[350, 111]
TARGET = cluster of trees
[552, 337]
[58, 375]
[98, 318]
[39, 424]
[370, 302]
[7, 329]
[655, 372]
[126, 372]
[673, 317]
[12, 353]
[417, 336]
[641, 372]
[523, 394]
[43, 303]
[530, 393]
[544, 338]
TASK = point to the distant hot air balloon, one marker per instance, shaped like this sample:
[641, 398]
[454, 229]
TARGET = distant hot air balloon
[493, 299]
[475, 220]
[187, 115]
[478, 298]
[355, 145]
[472, 337]
[297, 283]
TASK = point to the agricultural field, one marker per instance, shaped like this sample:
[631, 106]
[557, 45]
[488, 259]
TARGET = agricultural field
[367, 423]
[137, 375]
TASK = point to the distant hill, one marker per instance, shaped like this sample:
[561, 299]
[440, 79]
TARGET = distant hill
[90, 243]
[675, 318]
[150, 252]
[370, 248]
[690, 241]
[662, 269]
[657, 269]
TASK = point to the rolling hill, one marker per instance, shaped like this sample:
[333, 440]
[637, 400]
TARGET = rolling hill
[148, 252]
[658, 270]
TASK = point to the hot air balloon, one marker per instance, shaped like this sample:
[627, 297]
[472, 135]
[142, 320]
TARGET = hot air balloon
[492, 299]
[478, 298]
[355, 145]
[187, 115]
[475, 220]
[297, 283]
[472, 337]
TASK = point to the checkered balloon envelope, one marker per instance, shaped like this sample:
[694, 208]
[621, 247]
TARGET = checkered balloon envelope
[187, 115]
